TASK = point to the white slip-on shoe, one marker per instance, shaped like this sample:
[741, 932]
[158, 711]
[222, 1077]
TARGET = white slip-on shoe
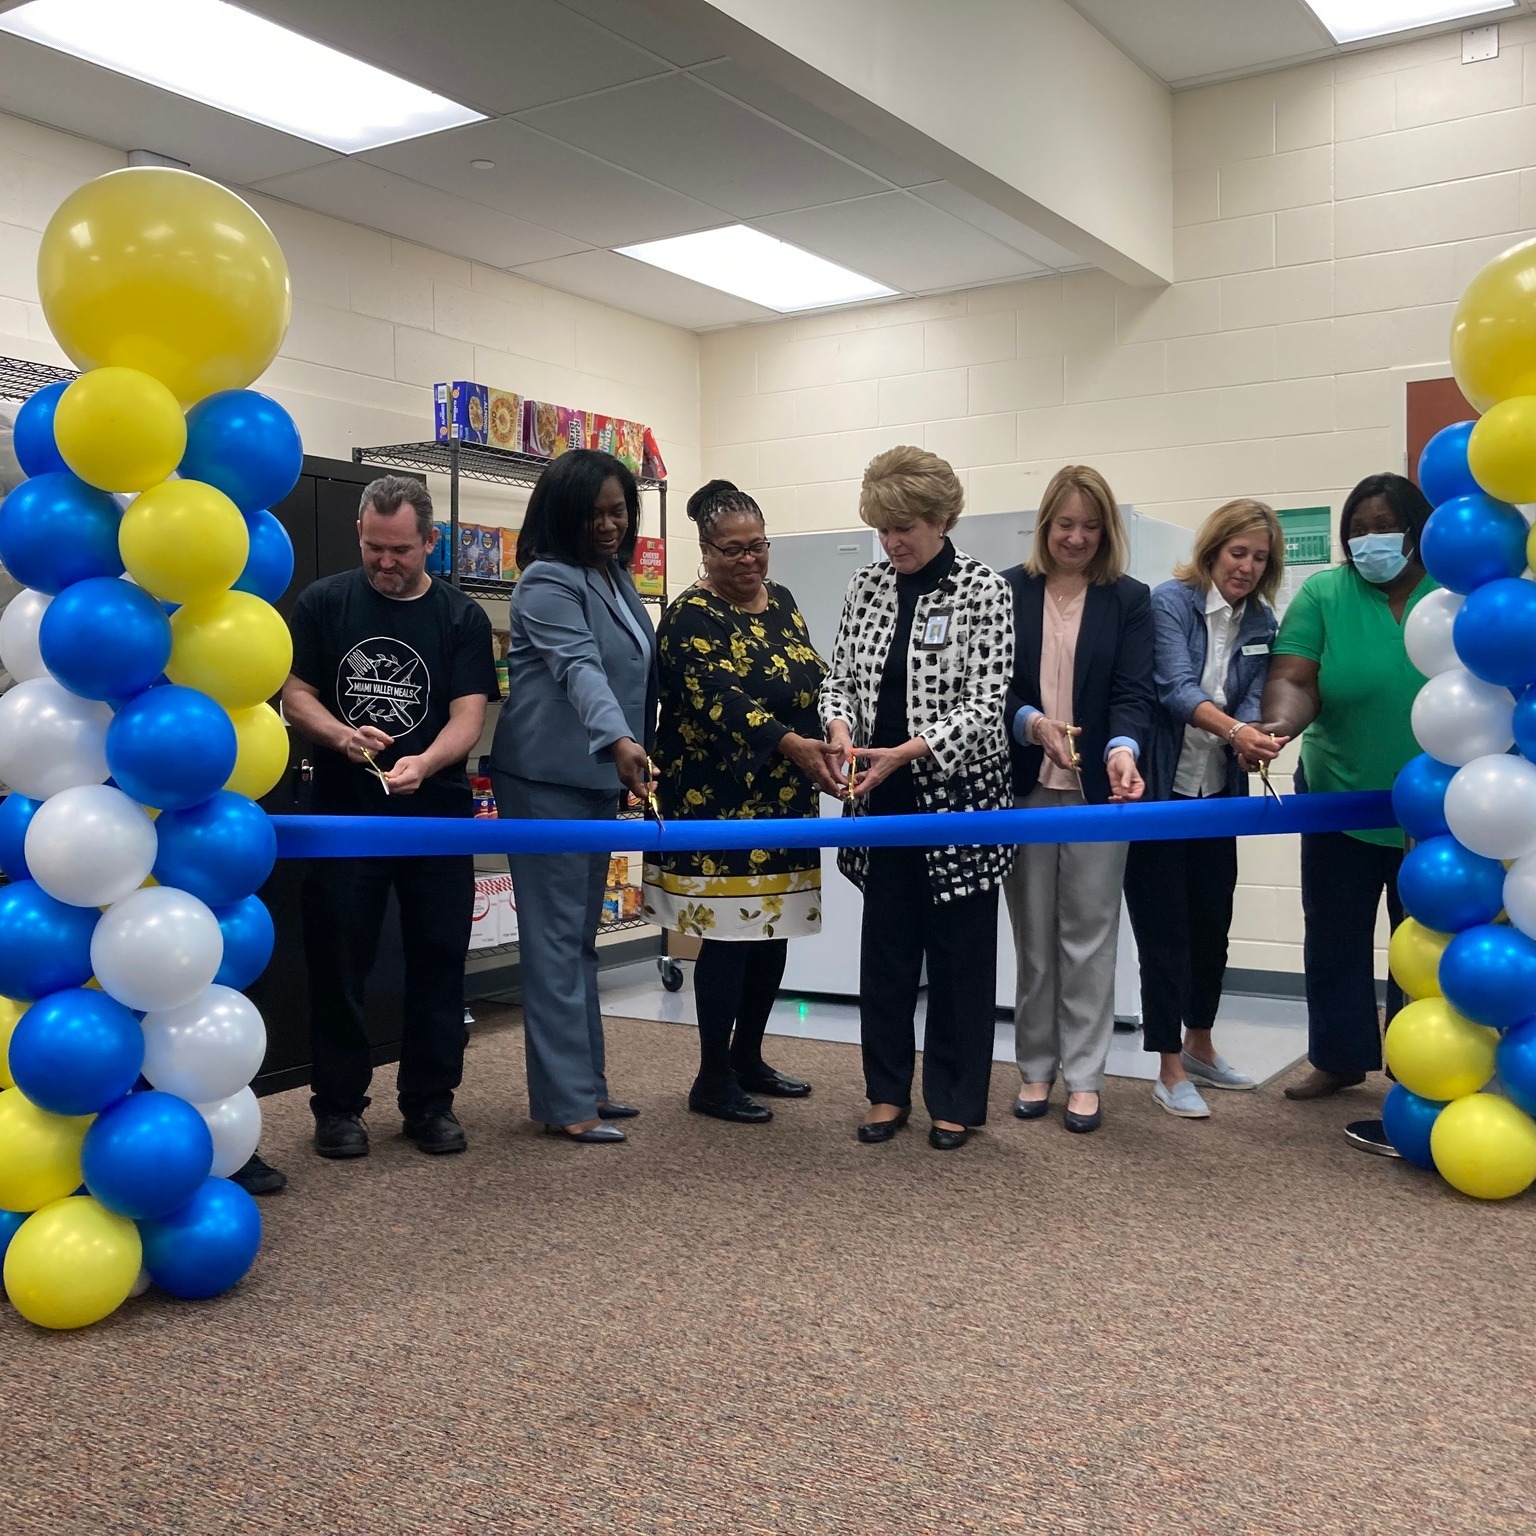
[1183, 1100]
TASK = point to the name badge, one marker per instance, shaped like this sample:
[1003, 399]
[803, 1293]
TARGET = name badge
[935, 635]
[1258, 648]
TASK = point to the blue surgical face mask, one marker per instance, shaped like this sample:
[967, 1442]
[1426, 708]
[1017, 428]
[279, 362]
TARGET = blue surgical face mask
[1379, 557]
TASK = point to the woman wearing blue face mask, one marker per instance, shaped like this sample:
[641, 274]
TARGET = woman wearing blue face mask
[1341, 674]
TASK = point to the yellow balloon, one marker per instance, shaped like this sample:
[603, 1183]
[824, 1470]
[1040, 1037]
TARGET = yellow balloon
[1493, 332]
[232, 646]
[262, 755]
[182, 540]
[1484, 1146]
[1436, 1053]
[39, 1153]
[10, 1015]
[1414, 958]
[72, 1263]
[167, 272]
[119, 429]
[1502, 449]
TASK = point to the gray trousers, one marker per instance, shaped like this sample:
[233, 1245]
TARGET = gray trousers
[559, 905]
[1064, 904]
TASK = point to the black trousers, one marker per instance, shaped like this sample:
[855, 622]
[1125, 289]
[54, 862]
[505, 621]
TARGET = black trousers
[1179, 894]
[1342, 880]
[344, 905]
[903, 924]
[734, 983]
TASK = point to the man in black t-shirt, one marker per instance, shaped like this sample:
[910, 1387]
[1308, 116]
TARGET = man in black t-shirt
[391, 673]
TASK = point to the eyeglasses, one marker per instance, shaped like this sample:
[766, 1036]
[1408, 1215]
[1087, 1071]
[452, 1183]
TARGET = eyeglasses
[740, 551]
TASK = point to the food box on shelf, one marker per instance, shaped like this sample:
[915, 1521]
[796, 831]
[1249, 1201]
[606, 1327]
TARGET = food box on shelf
[462, 405]
[509, 553]
[550, 430]
[437, 559]
[625, 440]
[495, 916]
[504, 419]
[650, 568]
[487, 565]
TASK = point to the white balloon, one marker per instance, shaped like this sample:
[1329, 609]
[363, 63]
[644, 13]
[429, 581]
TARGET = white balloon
[142, 1284]
[1520, 894]
[1457, 717]
[207, 1049]
[18, 635]
[236, 1126]
[1427, 634]
[51, 739]
[1490, 806]
[90, 846]
[158, 948]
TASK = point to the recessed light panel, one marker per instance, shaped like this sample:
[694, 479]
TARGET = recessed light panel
[241, 63]
[1351, 20]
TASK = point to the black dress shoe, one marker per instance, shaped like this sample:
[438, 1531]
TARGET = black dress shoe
[942, 1140]
[873, 1132]
[436, 1133]
[1082, 1124]
[611, 1109]
[772, 1085]
[736, 1106]
[1032, 1109]
[594, 1135]
[341, 1136]
[257, 1177]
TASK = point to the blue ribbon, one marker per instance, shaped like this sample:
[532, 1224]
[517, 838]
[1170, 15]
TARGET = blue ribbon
[364, 837]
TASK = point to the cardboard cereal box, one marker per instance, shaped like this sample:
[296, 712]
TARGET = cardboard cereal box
[460, 409]
[650, 567]
[504, 420]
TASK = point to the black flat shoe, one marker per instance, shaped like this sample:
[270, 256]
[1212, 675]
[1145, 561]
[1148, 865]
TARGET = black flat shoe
[436, 1134]
[594, 1135]
[611, 1109]
[341, 1136]
[256, 1176]
[1083, 1124]
[735, 1107]
[1031, 1109]
[773, 1085]
[873, 1132]
[942, 1140]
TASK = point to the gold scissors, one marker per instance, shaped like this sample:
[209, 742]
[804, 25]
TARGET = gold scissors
[1269, 789]
[375, 770]
[651, 803]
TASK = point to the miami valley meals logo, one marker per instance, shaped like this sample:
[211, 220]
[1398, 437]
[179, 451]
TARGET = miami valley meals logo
[383, 683]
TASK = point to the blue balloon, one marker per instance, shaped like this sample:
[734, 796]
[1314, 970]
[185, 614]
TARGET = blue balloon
[1449, 888]
[1444, 473]
[104, 639]
[45, 946]
[10, 1225]
[32, 436]
[269, 566]
[56, 530]
[1488, 973]
[16, 813]
[1515, 1062]
[1418, 797]
[248, 941]
[77, 1051]
[146, 1155]
[1408, 1120]
[1472, 540]
[171, 747]
[220, 851]
[1525, 723]
[205, 1247]
[244, 444]
[1495, 632]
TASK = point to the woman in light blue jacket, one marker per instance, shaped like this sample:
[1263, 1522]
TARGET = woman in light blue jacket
[1214, 623]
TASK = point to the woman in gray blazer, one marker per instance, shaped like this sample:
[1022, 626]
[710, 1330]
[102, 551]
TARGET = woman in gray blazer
[581, 682]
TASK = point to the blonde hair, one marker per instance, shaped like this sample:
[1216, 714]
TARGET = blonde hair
[1224, 524]
[1113, 556]
[907, 485]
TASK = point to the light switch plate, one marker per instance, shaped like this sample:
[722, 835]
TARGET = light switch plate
[1479, 43]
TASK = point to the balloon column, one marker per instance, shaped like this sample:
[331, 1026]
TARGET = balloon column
[1464, 1051]
[135, 743]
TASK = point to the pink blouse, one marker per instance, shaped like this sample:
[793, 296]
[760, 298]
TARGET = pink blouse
[1058, 661]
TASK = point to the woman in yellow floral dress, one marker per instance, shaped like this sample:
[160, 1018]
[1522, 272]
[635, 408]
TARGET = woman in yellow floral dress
[739, 736]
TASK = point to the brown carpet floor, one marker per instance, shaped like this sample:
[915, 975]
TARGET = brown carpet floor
[1235, 1326]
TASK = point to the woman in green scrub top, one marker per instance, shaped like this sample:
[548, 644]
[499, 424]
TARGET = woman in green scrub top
[1341, 674]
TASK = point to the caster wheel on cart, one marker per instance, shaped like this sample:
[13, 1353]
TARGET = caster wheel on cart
[671, 974]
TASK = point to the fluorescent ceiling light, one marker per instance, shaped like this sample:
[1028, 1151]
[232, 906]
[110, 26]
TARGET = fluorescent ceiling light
[1351, 20]
[757, 267]
[241, 63]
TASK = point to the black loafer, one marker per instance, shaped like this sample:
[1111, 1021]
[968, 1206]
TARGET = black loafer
[436, 1133]
[258, 1177]
[1031, 1109]
[611, 1109]
[735, 1107]
[942, 1140]
[873, 1132]
[1083, 1124]
[773, 1085]
[341, 1136]
[594, 1135]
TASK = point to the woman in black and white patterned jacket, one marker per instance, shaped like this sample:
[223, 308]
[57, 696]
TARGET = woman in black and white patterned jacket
[915, 700]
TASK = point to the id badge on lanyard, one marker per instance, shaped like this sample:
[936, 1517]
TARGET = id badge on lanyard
[936, 628]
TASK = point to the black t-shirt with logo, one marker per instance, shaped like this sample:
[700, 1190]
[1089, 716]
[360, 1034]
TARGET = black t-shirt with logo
[395, 665]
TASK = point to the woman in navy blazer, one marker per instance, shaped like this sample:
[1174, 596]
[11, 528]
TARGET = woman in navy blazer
[581, 706]
[1214, 624]
[1078, 711]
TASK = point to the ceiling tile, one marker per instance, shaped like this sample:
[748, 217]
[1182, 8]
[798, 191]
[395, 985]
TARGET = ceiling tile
[794, 112]
[945, 195]
[902, 241]
[683, 134]
[492, 56]
[548, 183]
[640, 27]
[365, 194]
[643, 290]
[53, 88]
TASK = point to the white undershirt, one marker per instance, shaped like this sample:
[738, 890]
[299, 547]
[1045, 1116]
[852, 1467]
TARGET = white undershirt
[1202, 768]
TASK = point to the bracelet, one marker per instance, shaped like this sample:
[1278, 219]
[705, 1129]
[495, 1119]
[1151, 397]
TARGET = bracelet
[1232, 734]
